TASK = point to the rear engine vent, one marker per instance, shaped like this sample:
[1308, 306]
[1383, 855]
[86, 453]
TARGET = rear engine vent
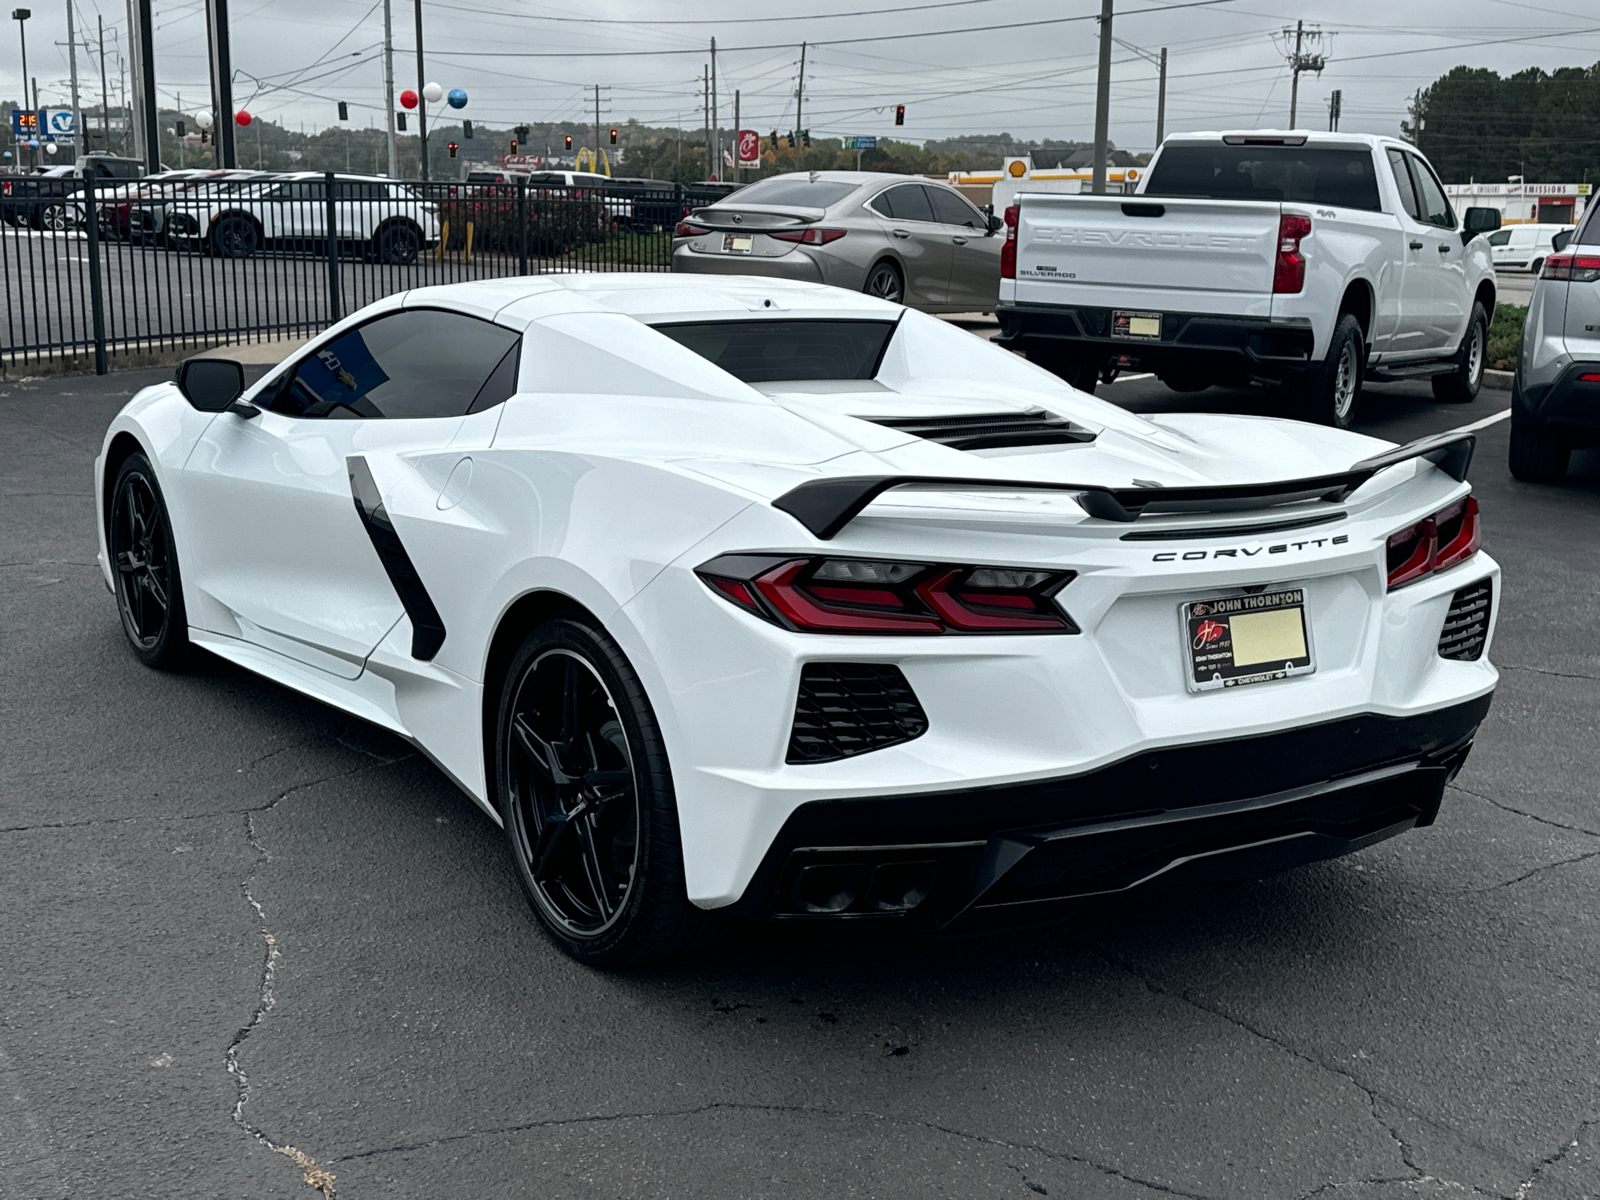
[850, 708]
[991, 431]
[1466, 625]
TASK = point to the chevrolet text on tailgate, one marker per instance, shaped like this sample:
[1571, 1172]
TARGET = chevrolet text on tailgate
[1304, 262]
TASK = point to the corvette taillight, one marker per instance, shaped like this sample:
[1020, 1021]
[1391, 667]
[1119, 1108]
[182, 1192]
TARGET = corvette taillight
[1437, 543]
[1289, 271]
[809, 237]
[855, 595]
[1008, 249]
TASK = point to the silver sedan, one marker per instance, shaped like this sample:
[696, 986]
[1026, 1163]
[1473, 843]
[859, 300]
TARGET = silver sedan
[901, 237]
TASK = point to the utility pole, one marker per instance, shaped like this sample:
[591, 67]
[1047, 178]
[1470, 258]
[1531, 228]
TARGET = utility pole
[141, 44]
[422, 101]
[1161, 101]
[388, 84]
[221, 62]
[1335, 110]
[705, 112]
[1300, 62]
[736, 127]
[20, 16]
[78, 137]
[105, 93]
[1102, 101]
[716, 124]
[596, 163]
[799, 106]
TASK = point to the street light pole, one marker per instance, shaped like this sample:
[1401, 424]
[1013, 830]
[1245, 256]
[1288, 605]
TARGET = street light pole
[1102, 101]
[422, 101]
[388, 84]
[20, 16]
[78, 139]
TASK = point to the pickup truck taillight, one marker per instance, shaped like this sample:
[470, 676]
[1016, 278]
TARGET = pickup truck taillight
[1573, 268]
[1289, 271]
[1008, 252]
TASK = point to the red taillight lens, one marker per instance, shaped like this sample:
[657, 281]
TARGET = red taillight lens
[1008, 251]
[848, 595]
[1573, 268]
[684, 229]
[1437, 543]
[1289, 271]
[809, 237]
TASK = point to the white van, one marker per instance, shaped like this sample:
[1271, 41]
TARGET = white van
[1523, 247]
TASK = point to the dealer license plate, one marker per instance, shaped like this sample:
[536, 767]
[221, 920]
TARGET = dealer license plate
[1236, 640]
[736, 243]
[1145, 326]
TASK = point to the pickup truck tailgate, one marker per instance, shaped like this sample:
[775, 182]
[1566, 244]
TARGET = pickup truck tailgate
[1134, 252]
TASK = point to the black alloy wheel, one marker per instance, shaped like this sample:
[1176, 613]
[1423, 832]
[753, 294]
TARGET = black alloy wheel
[587, 799]
[235, 236]
[884, 282]
[149, 591]
[398, 244]
[53, 218]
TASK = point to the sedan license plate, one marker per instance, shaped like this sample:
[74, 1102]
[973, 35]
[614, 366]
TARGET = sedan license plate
[1235, 640]
[736, 243]
[1140, 326]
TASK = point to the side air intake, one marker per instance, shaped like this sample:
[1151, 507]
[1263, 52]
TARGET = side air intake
[991, 431]
[1466, 625]
[850, 708]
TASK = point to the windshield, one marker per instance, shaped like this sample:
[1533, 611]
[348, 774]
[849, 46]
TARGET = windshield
[798, 191]
[769, 351]
[1302, 174]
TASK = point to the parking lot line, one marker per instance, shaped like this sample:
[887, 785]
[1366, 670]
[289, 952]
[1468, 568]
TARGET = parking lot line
[1483, 424]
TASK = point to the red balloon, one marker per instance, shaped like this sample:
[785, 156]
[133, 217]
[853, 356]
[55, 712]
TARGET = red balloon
[242, 117]
[408, 99]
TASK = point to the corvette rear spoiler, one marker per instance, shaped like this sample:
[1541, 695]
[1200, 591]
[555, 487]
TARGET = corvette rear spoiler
[825, 506]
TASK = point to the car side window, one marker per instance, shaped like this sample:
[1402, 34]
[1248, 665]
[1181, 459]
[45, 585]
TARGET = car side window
[417, 363]
[502, 382]
[1499, 237]
[1435, 208]
[908, 202]
[1402, 180]
[951, 209]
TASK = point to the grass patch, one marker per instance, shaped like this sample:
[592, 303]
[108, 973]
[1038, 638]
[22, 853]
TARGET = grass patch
[626, 248]
[1505, 336]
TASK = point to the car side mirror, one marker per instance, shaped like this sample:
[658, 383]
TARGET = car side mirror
[1479, 221]
[1561, 240]
[210, 384]
[995, 223]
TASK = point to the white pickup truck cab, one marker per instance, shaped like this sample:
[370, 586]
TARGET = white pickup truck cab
[1303, 261]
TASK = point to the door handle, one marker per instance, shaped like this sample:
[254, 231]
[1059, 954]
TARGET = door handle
[902, 233]
[960, 241]
[1416, 245]
[1444, 247]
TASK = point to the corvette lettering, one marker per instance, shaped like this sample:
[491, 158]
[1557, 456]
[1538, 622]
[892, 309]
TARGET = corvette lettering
[1249, 551]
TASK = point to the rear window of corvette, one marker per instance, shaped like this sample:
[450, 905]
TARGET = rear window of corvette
[773, 351]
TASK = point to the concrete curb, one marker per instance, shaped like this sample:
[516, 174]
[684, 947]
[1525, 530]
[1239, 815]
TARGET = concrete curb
[1499, 381]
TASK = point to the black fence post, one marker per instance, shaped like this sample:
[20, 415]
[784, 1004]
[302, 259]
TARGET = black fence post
[334, 298]
[522, 227]
[91, 226]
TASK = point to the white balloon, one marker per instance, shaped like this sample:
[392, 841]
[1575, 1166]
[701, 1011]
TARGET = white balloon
[49, 147]
[203, 119]
[432, 93]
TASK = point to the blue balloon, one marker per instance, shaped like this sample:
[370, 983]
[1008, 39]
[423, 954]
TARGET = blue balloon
[457, 98]
[32, 144]
[7, 154]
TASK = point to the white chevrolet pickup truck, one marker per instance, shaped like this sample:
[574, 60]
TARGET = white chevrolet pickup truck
[1306, 262]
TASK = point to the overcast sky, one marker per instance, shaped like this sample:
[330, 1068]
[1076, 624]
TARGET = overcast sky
[521, 60]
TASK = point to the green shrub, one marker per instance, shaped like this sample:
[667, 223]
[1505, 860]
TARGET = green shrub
[1505, 336]
[556, 225]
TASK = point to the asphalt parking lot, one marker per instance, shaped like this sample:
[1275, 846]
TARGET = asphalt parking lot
[252, 948]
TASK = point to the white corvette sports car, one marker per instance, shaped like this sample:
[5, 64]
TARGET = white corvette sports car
[733, 593]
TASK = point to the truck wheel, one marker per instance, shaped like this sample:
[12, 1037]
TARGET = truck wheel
[1537, 457]
[1185, 383]
[1328, 394]
[1461, 385]
[1080, 371]
[234, 236]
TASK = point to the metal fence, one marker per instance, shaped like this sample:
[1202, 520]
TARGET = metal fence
[119, 270]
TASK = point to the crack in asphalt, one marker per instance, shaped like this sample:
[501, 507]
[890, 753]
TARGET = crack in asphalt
[1552, 674]
[799, 1109]
[1501, 804]
[1373, 1096]
[1563, 862]
[1551, 1160]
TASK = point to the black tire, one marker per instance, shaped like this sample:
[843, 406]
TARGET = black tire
[570, 683]
[1079, 370]
[144, 560]
[234, 235]
[1186, 383]
[1538, 456]
[1461, 385]
[885, 282]
[397, 244]
[1330, 393]
[1536, 266]
[54, 218]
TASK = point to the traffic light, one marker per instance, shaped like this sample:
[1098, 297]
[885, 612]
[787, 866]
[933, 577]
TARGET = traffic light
[773, 140]
[453, 147]
[466, 129]
[522, 133]
[180, 129]
[805, 138]
[400, 121]
[899, 114]
[344, 111]
[613, 137]
[569, 141]
[513, 145]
